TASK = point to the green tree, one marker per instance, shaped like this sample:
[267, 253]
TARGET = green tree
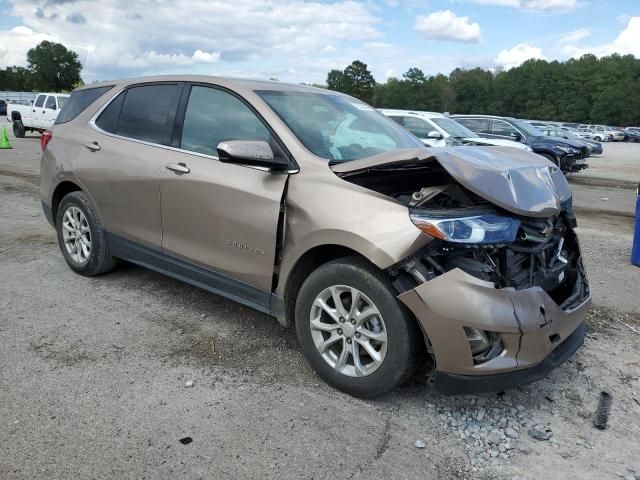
[336, 81]
[54, 67]
[359, 81]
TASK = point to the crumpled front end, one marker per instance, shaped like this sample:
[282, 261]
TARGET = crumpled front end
[500, 315]
[499, 288]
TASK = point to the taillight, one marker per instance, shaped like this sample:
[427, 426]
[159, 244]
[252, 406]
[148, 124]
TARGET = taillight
[45, 139]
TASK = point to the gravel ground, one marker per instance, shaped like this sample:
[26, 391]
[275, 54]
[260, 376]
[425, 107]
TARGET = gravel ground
[103, 378]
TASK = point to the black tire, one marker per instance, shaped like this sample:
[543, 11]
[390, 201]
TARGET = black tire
[99, 260]
[552, 159]
[18, 129]
[597, 139]
[403, 334]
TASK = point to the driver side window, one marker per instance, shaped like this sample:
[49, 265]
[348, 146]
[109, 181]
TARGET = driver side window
[215, 116]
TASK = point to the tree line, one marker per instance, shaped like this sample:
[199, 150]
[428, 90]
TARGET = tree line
[51, 67]
[586, 90]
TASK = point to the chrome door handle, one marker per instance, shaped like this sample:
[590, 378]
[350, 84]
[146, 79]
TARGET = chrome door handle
[93, 146]
[178, 167]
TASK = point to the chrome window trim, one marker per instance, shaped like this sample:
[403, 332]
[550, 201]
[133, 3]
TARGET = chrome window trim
[92, 123]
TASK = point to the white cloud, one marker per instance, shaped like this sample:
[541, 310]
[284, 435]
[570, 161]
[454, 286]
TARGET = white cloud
[550, 6]
[575, 36]
[15, 43]
[446, 25]
[500, 3]
[625, 43]
[118, 38]
[517, 55]
[538, 6]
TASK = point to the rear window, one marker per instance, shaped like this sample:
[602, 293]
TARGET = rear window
[79, 101]
[145, 113]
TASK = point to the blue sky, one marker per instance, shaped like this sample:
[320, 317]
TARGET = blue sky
[299, 40]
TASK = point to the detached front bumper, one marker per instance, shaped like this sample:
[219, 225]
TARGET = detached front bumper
[537, 335]
[573, 163]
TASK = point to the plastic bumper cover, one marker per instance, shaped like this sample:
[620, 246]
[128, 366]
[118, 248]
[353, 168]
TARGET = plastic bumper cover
[530, 324]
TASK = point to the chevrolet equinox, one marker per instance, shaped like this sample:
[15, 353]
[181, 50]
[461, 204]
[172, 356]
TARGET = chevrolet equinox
[312, 207]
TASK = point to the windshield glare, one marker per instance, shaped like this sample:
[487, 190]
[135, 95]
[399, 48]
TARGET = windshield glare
[337, 128]
[453, 128]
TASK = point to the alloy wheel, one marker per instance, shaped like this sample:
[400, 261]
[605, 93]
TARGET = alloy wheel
[348, 331]
[76, 235]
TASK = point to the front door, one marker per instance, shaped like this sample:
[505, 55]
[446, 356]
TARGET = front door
[49, 111]
[120, 160]
[220, 216]
[35, 112]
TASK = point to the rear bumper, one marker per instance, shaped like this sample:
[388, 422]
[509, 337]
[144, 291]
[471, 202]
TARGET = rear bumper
[453, 384]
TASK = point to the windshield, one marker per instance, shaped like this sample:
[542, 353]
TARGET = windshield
[337, 128]
[527, 129]
[453, 128]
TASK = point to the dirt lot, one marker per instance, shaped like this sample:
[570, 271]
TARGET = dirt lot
[93, 373]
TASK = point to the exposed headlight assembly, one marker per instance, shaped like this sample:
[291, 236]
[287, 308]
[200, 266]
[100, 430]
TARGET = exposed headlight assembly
[482, 228]
[562, 148]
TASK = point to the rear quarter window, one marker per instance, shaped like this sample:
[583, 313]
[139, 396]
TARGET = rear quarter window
[145, 113]
[79, 101]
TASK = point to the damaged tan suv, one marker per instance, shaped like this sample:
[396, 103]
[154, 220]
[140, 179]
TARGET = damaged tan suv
[310, 206]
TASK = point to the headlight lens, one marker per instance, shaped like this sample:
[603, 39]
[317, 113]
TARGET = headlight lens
[562, 148]
[484, 228]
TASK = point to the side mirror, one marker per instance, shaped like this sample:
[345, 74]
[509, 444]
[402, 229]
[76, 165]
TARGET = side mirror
[256, 153]
[434, 134]
[516, 136]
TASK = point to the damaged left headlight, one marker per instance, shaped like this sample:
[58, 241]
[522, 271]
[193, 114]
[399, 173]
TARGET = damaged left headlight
[477, 229]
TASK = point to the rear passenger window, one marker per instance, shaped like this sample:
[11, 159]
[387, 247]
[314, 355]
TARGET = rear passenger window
[78, 101]
[478, 125]
[108, 119]
[39, 101]
[502, 128]
[214, 116]
[51, 102]
[145, 113]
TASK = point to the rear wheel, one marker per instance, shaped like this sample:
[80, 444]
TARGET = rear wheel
[81, 237]
[354, 332]
[18, 129]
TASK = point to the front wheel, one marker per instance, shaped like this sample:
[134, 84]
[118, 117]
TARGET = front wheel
[18, 129]
[552, 159]
[352, 329]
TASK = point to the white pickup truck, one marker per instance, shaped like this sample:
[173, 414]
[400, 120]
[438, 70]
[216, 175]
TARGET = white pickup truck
[36, 117]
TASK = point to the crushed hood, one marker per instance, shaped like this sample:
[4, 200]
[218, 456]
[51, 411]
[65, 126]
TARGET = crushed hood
[518, 181]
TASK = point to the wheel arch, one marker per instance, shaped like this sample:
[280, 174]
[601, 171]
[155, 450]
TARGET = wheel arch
[63, 188]
[15, 116]
[307, 263]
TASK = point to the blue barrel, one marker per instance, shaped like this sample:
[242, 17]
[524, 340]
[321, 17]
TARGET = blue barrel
[635, 250]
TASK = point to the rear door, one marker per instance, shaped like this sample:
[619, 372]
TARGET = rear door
[121, 154]
[220, 216]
